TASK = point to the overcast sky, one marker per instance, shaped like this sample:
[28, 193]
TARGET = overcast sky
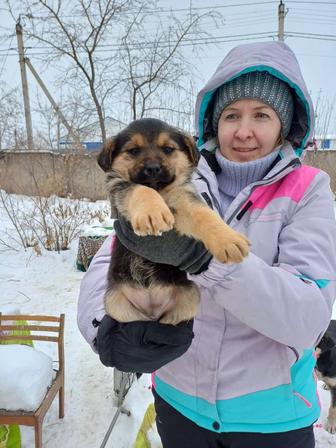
[317, 57]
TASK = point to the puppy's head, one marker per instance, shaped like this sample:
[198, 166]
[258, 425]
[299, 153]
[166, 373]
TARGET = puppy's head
[150, 152]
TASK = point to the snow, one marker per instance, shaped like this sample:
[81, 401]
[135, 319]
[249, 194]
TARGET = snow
[25, 375]
[49, 284]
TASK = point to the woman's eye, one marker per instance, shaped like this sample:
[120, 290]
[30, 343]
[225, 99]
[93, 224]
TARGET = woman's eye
[231, 117]
[167, 150]
[134, 151]
[262, 115]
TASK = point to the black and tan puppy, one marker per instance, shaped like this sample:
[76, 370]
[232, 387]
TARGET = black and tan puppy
[326, 371]
[149, 166]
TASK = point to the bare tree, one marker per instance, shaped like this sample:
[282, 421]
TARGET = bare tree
[157, 67]
[75, 31]
[11, 119]
[118, 54]
[324, 111]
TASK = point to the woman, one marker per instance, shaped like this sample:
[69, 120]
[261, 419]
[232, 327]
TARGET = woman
[247, 379]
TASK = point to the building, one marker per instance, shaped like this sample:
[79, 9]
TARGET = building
[327, 141]
[90, 136]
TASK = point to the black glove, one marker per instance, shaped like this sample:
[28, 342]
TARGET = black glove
[185, 253]
[141, 347]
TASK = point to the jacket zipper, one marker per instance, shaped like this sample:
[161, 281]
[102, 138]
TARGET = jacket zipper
[244, 210]
[214, 199]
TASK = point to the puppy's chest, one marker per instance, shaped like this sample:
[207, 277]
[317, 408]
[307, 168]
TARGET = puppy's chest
[146, 273]
[126, 266]
[142, 271]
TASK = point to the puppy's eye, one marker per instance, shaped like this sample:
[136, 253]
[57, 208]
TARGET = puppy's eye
[134, 151]
[167, 149]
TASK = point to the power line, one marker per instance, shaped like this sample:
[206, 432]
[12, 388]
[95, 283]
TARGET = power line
[311, 21]
[305, 15]
[309, 37]
[219, 6]
[170, 10]
[187, 44]
[298, 18]
[314, 34]
[313, 11]
[164, 43]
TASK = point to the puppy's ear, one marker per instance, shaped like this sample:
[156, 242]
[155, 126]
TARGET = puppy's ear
[192, 149]
[105, 156]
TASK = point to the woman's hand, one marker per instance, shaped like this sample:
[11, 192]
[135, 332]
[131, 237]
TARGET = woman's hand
[170, 248]
[141, 347]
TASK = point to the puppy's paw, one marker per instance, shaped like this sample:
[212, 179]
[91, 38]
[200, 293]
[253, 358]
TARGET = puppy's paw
[187, 301]
[230, 247]
[330, 426]
[176, 316]
[153, 221]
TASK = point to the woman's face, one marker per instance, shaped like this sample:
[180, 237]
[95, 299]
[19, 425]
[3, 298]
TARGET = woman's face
[248, 130]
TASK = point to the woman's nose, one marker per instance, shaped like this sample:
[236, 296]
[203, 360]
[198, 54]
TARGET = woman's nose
[244, 130]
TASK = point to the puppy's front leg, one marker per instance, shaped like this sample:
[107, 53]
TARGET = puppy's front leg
[331, 422]
[196, 219]
[187, 299]
[148, 212]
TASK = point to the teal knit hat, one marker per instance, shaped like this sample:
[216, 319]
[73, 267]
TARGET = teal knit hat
[260, 86]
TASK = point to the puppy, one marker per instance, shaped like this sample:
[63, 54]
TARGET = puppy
[149, 166]
[326, 371]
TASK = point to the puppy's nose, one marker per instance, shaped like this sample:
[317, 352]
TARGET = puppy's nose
[152, 169]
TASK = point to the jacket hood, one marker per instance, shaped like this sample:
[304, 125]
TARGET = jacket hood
[277, 59]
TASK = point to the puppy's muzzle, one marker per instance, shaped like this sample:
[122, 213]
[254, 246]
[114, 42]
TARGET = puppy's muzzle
[152, 169]
[153, 175]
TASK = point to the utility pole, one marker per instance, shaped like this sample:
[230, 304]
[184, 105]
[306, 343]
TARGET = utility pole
[23, 62]
[281, 20]
[26, 103]
[72, 134]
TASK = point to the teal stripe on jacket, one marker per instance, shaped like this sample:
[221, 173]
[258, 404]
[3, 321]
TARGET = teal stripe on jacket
[283, 408]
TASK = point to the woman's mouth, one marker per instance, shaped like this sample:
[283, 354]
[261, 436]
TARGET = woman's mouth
[239, 149]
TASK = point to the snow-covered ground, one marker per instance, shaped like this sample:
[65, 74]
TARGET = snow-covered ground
[49, 284]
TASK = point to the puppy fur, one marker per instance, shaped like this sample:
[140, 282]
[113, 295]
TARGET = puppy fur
[326, 371]
[148, 169]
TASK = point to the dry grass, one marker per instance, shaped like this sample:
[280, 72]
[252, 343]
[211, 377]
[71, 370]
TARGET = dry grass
[48, 222]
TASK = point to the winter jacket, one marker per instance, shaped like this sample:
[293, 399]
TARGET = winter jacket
[251, 364]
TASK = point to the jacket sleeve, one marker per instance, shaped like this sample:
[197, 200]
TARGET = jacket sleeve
[92, 292]
[290, 301]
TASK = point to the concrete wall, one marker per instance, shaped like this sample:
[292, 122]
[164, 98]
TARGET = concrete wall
[326, 161]
[46, 173]
[79, 176]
